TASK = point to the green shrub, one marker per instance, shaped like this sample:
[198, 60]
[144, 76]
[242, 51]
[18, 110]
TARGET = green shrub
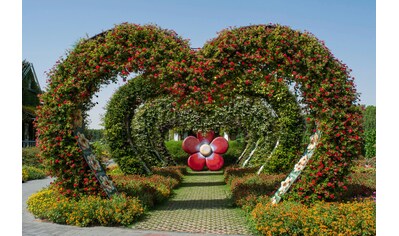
[176, 151]
[101, 150]
[182, 169]
[254, 184]
[25, 175]
[30, 157]
[149, 190]
[292, 218]
[130, 165]
[87, 211]
[370, 143]
[369, 126]
[114, 170]
[31, 173]
[231, 172]
[168, 172]
[235, 149]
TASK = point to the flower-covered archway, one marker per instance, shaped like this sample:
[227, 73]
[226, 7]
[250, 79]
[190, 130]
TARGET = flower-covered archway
[254, 61]
[143, 137]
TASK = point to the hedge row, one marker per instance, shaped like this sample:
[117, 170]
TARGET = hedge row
[149, 190]
[254, 185]
[231, 172]
[152, 189]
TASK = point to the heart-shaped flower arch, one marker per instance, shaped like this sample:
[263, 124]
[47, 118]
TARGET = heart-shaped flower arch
[152, 121]
[252, 61]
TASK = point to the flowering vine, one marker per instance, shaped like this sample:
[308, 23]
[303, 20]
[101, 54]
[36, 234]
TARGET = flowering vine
[255, 61]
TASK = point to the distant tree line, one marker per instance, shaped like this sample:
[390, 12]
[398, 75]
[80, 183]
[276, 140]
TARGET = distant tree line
[94, 134]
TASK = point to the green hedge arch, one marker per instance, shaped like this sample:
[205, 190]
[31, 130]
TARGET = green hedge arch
[253, 61]
[157, 116]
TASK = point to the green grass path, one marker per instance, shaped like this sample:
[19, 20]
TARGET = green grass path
[200, 205]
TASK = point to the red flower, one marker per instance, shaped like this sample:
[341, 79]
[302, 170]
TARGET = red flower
[205, 150]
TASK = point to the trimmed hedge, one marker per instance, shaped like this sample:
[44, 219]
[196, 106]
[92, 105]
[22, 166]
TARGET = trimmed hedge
[176, 151]
[291, 218]
[253, 184]
[235, 149]
[168, 172]
[149, 190]
[231, 172]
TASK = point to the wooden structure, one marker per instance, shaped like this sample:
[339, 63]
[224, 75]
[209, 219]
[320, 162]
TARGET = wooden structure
[30, 91]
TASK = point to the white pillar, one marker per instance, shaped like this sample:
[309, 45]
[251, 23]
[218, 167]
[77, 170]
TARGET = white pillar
[176, 137]
[226, 136]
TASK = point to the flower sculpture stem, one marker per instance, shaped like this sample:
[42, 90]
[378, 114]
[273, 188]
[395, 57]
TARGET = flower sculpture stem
[204, 150]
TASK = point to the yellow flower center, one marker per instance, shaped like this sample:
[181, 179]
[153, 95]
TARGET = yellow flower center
[205, 150]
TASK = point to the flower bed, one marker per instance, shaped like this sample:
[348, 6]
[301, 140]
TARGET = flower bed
[353, 214]
[291, 218]
[87, 211]
[137, 194]
[31, 173]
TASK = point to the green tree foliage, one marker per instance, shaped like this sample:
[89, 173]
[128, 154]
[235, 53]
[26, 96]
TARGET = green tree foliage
[370, 131]
[94, 134]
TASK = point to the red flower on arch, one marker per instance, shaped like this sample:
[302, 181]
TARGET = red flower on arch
[204, 150]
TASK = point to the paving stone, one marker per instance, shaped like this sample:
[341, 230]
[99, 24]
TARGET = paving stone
[200, 207]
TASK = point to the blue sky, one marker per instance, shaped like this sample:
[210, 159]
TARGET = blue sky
[49, 28]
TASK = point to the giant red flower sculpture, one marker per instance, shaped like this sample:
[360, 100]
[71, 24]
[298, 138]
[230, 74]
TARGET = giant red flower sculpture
[205, 150]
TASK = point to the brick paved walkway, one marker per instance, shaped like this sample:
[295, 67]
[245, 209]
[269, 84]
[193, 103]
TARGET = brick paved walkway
[201, 205]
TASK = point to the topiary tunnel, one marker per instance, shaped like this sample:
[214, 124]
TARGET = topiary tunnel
[260, 61]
